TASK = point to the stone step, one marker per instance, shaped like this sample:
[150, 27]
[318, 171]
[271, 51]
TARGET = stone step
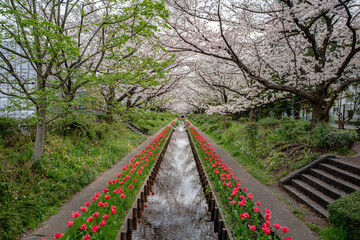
[301, 197]
[350, 177]
[344, 165]
[137, 129]
[314, 194]
[331, 179]
[133, 128]
[322, 186]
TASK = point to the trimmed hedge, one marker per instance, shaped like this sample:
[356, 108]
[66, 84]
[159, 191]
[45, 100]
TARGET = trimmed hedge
[345, 213]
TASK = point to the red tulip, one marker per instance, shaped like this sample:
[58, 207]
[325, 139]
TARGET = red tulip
[285, 229]
[58, 235]
[252, 228]
[83, 227]
[83, 209]
[75, 214]
[95, 228]
[87, 237]
[267, 231]
[277, 226]
[103, 223]
[70, 223]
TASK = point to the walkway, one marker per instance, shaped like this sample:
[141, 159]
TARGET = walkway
[58, 222]
[280, 214]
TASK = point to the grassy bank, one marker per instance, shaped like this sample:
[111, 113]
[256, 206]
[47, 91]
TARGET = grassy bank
[150, 121]
[271, 148]
[76, 149]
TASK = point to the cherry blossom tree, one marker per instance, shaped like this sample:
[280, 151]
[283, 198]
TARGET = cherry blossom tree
[308, 49]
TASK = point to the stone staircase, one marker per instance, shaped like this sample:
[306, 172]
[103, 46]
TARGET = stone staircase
[135, 129]
[322, 182]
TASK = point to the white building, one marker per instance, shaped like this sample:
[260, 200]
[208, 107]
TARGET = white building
[345, 104]
[24, 69]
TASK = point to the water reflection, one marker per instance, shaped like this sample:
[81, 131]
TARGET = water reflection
[177, 210]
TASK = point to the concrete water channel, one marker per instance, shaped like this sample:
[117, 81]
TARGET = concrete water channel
[176, 208]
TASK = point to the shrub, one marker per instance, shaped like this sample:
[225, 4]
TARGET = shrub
[252, 132]
[8, 126]
[345, 213]
[320, 131]
[339, 139]
[269, 122]
[243, 120]
[80, 126]
[293, 129]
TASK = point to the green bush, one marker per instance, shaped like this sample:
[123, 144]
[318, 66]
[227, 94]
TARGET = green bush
[345, 213]
[243, 120]
[335, 139]
[269, 122]
[8, 126]
[293, 130]
[79, 125]
[252, 133]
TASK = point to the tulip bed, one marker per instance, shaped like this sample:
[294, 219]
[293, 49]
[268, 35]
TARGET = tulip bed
[102, 216]
[242, 215]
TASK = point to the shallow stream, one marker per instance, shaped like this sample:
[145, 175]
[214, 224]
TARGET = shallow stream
[178, 209]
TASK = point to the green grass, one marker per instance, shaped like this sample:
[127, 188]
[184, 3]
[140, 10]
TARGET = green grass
[151, 122]
[76, 149]
[333, 233]
[258, 147]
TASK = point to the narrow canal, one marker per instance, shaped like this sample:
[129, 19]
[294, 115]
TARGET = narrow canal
[178, 209]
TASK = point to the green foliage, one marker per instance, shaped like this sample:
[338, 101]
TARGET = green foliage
[341, 140]
[150, 121]
[336, 140]
[269, 122]
[243, 120]
[252, 132]
[345, 213]
[333, 233]
[31, 191]
[80, 125]
[8, 126]
[293, 130]
[272, 160]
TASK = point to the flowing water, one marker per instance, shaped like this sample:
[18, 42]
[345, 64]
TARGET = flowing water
[178, 209]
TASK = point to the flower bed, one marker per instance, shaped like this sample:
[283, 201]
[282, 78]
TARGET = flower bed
[242, 216]
[102, 216]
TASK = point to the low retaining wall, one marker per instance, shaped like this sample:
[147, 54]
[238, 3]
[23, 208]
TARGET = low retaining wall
[217, 216]
[135, 211]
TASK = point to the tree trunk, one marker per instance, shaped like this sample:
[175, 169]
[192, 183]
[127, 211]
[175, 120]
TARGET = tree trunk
[40, 132]
[252, 115]
[319, 114]
[224, 119]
